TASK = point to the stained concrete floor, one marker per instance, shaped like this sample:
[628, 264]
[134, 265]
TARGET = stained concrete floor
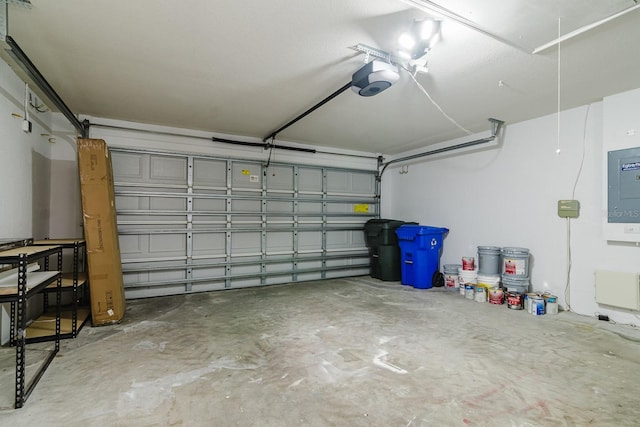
[345, 352]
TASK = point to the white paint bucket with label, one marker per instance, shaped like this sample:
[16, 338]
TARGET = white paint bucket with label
[480, 294]
[451, 280]
[467, 278]
[468, 263]
[489, 259]
[515, 262]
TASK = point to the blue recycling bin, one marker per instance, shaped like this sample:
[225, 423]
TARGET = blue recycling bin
[420, 249]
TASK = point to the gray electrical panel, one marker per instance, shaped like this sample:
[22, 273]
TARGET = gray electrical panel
[624, 186]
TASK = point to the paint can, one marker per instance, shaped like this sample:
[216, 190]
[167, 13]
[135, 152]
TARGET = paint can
[450, 272]
[515, 262]
[496, 296]
[537, 306]
[515, 284]
[468, 292]
[527, 300]
[489, 259]
[551, 304]
[468, 263]
[480, 294]
[514, 300]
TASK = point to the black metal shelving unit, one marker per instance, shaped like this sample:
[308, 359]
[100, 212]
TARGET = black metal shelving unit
[17, 291]
[75, 315]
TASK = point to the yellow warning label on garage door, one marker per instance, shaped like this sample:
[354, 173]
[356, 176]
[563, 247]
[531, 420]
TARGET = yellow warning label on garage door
[361, 208]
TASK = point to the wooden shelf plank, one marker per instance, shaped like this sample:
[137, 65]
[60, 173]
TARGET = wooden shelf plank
[47, 323]
[29, 250]
[67, 280]
[8, 286]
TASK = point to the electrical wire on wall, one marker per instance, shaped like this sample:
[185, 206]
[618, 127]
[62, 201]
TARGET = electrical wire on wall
[567, 288]
[26, 102]
[558, 100]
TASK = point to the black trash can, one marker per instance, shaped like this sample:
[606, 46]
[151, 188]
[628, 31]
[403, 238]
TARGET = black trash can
[384, 251]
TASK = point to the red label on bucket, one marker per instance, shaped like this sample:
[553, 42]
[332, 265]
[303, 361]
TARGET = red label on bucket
[468, 263]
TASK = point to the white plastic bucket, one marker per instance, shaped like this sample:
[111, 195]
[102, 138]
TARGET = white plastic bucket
[451, 280]
[489, 280]
[489, 259]
[515, 262]
[467, 277]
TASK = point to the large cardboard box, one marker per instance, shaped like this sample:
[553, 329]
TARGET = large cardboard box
[101, 234]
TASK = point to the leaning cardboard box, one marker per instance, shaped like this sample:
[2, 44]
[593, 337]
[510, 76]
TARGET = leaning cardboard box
[101, 234]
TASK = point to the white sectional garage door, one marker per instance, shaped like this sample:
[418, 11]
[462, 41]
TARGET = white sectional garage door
[191, 223]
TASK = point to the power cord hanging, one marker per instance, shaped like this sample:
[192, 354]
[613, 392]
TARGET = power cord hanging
[435, 104]
[573, 196]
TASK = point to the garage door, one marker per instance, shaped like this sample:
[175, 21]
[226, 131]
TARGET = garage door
[192, 223]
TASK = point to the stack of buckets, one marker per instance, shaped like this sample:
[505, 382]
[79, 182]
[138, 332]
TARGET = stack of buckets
[509, 266]
[515, 275]
[468, 277]
[489, 274]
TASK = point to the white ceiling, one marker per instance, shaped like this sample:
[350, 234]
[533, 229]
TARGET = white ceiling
[247, 67]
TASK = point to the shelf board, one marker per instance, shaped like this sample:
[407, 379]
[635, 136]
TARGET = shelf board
[67, 280]
[29, 250]
[10, 287]
[45, 325]
[67, 243]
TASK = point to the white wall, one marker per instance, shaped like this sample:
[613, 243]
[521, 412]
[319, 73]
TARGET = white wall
[24, 163]
[507, 196]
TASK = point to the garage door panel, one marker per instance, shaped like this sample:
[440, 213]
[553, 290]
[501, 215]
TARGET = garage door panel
[208, 286]
[246, 206]
[201, 273]
[279, 207]
[246, 243]
[198, 223]
[169, 170]
[280, 178]
[280, 242]
[310, 207]
[246, 176]
[167, 244]
[208, 244]
[209, 173]
[204, 205]
[131, 203]
[167, 204]
[310, 180]
[129, 165]
[132, 245]
[309, 240]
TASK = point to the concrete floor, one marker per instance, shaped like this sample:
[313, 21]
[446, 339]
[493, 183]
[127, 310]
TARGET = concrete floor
[345, 352]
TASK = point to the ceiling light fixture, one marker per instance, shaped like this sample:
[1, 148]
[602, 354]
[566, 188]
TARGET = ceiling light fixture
[423, 34]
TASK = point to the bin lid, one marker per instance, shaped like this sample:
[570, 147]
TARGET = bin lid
[378, 223]
[419, 230]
